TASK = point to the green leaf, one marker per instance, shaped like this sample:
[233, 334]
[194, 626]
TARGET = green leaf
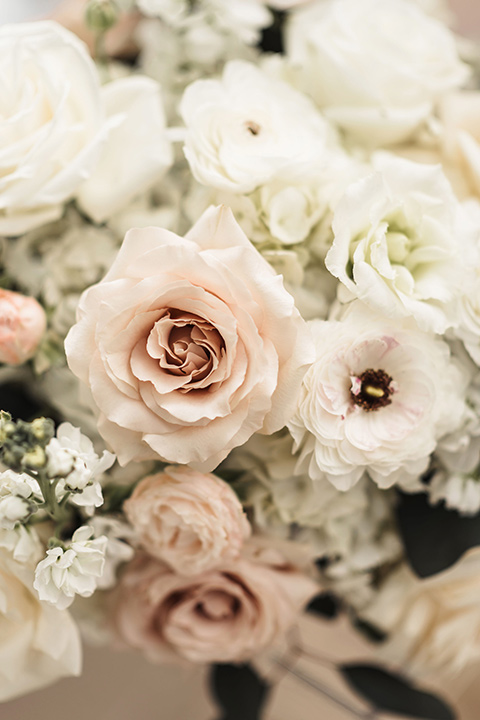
[433, 536]
[239, 690]
[389, 692]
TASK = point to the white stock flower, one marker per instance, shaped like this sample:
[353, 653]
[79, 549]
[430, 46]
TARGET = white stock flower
[118, 550]
[62, 574]
[248, 128]
[375, 67]
[460, 491]
[402, 243]
[378, 398]
[40, 644]
[23, 544]
[17, 492]
[71, 455]
[137, 153]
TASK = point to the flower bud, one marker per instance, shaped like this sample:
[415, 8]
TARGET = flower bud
[22, 325]
[101, 15]
[35, 458]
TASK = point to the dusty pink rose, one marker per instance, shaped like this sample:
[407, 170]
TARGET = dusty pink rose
[190, 520]
[189, 345]
[223, 615]
[22, 324]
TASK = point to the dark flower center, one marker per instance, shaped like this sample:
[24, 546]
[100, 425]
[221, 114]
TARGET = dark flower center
[372, 389]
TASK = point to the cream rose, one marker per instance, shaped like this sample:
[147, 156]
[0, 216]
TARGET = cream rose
[51, 122]
[189, 345]
[375, 67]
[190, 520]
[43, 642]
[227, 614]
[22, 325]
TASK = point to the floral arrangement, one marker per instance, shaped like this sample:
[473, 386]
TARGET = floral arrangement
[240, 341]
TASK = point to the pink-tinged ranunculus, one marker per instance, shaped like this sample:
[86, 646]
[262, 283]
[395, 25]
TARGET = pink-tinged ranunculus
[223, 615]
[189, 345]
[190, 520]
[22, 324]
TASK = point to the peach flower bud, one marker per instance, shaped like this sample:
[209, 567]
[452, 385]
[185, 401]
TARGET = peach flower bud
[223, 615]
[190, 520]
[22, 324]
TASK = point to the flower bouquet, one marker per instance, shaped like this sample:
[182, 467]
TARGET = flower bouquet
[240, 343]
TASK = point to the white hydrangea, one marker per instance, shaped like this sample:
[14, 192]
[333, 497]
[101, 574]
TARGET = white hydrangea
[75, 570]
[377, 398]
[402, 244]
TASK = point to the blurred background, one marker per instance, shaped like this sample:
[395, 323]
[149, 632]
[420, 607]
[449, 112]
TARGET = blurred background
[123, 686]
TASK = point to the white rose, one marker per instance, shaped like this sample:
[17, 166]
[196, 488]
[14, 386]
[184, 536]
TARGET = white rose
[137, 153]
[378, 398]
[402, 243]
[51, 123]
[43, 642]
[433, 624]
[376, 67]
[248, 128]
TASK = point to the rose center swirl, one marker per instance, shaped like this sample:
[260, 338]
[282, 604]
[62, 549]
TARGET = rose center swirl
[372, 389]
[186, 345]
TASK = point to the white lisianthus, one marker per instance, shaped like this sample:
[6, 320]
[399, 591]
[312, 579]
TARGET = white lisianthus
[248, 128]
[378, 398]
[402, 243]
[137, 153]
[72, 571]
[376, 67]
[40, 644]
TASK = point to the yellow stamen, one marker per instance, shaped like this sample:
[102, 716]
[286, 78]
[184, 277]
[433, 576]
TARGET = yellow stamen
[374, 391]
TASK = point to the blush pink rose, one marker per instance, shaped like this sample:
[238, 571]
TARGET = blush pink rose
[190, 520]
[22, 325]
[223, 615]
[189, 345]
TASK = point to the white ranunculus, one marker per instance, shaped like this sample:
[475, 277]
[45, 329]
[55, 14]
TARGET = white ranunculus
[40, 644]
[137, 152]
[376, 67]
[402, 243]
[378, 398]
[248, 128]
[52, 122]
[64, 573]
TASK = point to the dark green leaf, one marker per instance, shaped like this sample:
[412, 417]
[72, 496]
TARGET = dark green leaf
[239, 691]
[434, 537]
[393, 693]
[370, 631]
